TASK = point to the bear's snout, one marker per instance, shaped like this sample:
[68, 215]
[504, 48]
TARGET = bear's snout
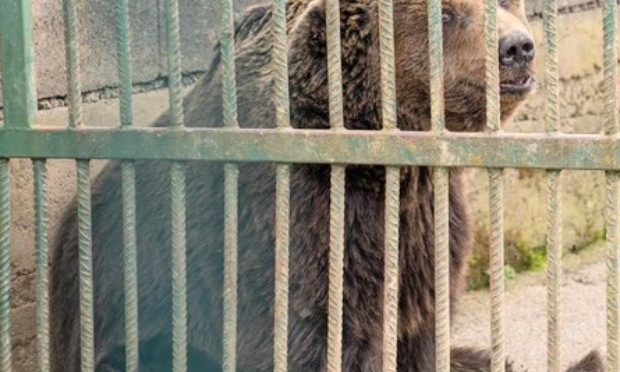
[516, 49]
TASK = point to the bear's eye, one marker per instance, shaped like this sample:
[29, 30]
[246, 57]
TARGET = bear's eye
[504, 3]
[447, 16]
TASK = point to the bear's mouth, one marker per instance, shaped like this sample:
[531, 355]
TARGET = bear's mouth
[519, 85]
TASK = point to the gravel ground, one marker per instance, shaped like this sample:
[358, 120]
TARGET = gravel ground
[582, 313]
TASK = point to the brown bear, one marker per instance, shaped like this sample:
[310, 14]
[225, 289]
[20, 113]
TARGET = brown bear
[310, 198]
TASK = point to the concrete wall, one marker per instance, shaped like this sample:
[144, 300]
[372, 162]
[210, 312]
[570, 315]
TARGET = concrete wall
[199, 22]
[580, 53]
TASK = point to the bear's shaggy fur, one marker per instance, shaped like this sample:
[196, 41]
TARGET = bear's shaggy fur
[309, 222]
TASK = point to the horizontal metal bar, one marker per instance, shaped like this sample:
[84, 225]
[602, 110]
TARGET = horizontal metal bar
[319, 146]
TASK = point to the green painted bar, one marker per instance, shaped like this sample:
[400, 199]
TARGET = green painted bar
[87, 335]
[73, 63]
[320, 146]
[123, 42]
[5, 266]
[179, 268]
[231, 222]
[173, 52]
[42, 258]
[177, 177]
[129, 191]
[18, 78]
[130, 265]
[231, 184]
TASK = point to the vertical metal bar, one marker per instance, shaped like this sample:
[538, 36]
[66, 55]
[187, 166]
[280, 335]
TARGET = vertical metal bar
[130, 265]
[554, 182]
[280, 60]
[231, 182]
[496, 201]
[496, 193]
[177, 176]
[613, 257]
[73, 63]
[5, 266]
[40, 202]
[173, 51]
[392, 190]
[612, 180]
[491, 64]
[179, 276]
[85, 271]
[337, 193]
[388, 80]
[282, 267]
[390, 306]
[18, 83]
[442, 269]
[123, 43]
[128, 192]
[441, 205]
[554, 270]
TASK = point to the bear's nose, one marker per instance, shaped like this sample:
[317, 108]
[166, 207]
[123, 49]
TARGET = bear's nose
[515, 49]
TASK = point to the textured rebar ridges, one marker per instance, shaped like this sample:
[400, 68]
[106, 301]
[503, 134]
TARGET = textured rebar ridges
[129, 193]
[282, 267]
[130, 266]
[613, 259]
[388, 79]
[86, 270]
[5, 266]
[554, 271]
[173, 51]
[336, 268]
[496, 204]
[42, 258]
[337, 195]
[280, 63]
[231, 180]
[179, 269]
[73, 63]
[610, 55]
[442, 269]
[123, 42]
[281, 100]
[390, 296]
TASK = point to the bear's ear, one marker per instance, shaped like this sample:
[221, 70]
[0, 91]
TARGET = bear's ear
[307, 34]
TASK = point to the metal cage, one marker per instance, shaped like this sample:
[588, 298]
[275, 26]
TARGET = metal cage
[23, 137]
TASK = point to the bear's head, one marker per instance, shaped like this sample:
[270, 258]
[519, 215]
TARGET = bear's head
[464, 55]
[464, 58]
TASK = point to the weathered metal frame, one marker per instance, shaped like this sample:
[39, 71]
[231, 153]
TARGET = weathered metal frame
[22, 137]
